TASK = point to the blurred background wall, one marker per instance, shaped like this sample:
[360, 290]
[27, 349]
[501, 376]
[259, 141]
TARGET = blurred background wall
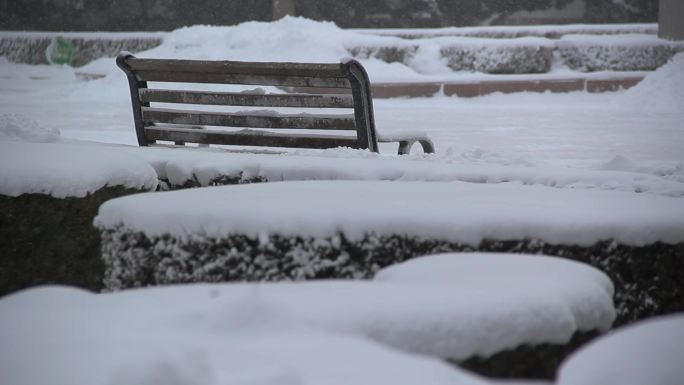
[139, 15]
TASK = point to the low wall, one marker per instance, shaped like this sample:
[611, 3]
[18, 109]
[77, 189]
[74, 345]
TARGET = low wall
[33, 49]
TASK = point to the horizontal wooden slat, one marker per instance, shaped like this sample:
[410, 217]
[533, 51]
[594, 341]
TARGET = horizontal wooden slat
[259, 80]
[331, 70]
[255, 119]
[246, 99]
[248, 138]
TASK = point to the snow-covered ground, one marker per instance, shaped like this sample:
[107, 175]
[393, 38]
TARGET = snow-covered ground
[640, 129]
[324, 332]
[631, 141]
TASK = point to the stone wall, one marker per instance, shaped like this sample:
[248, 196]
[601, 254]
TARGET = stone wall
[160, 15]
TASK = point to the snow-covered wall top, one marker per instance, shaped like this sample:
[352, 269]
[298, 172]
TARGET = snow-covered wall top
[52, 167]
[550, 31]
[68, 170]
[179, 166]
[456, 211]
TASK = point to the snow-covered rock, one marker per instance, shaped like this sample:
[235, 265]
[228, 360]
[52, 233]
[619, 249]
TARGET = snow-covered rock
[649, 352]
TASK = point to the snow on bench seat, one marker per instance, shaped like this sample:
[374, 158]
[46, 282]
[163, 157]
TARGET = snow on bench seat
[314, 331]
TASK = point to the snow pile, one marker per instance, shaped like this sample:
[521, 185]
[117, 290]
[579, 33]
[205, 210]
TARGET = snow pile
[69, 169]
[649, 352]
[200, 335]
[313, 332]
[17, 127]
[459, 212]
[662, 90]
[554, 282]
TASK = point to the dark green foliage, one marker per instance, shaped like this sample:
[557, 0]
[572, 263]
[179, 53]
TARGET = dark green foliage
[221, 180]
[538, 361]
[46, 240]
[648, 279]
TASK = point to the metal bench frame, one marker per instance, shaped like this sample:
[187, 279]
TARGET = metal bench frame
[182, 125]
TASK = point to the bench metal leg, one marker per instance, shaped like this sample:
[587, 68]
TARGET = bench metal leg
[405, 146]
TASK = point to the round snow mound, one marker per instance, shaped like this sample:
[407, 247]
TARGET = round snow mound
[660, 91]
[649, 352]
[556, 289]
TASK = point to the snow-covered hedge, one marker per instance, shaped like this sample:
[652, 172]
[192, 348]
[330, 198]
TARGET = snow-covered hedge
[510, 31]
[388, 54]
[31, 49]
[306, 230]
[615, 53]
[499, 59]
[497, 56]
[48, 240]
[49, 194]
[647, 278]
[489, 50]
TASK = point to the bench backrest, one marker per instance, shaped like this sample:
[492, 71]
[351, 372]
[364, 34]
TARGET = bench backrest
[153, 123]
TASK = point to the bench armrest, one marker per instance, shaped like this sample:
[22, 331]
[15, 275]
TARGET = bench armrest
[405, 144]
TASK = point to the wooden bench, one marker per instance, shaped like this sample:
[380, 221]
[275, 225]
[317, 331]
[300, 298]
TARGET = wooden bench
[259, 127]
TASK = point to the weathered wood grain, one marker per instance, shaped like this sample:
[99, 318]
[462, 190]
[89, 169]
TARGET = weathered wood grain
[250, 138]
[256, 119]
[246, 99]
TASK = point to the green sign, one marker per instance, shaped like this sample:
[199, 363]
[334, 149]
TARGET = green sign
[60, 51]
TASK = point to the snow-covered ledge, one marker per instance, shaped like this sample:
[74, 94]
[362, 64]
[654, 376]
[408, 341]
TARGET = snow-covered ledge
[49, 194]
